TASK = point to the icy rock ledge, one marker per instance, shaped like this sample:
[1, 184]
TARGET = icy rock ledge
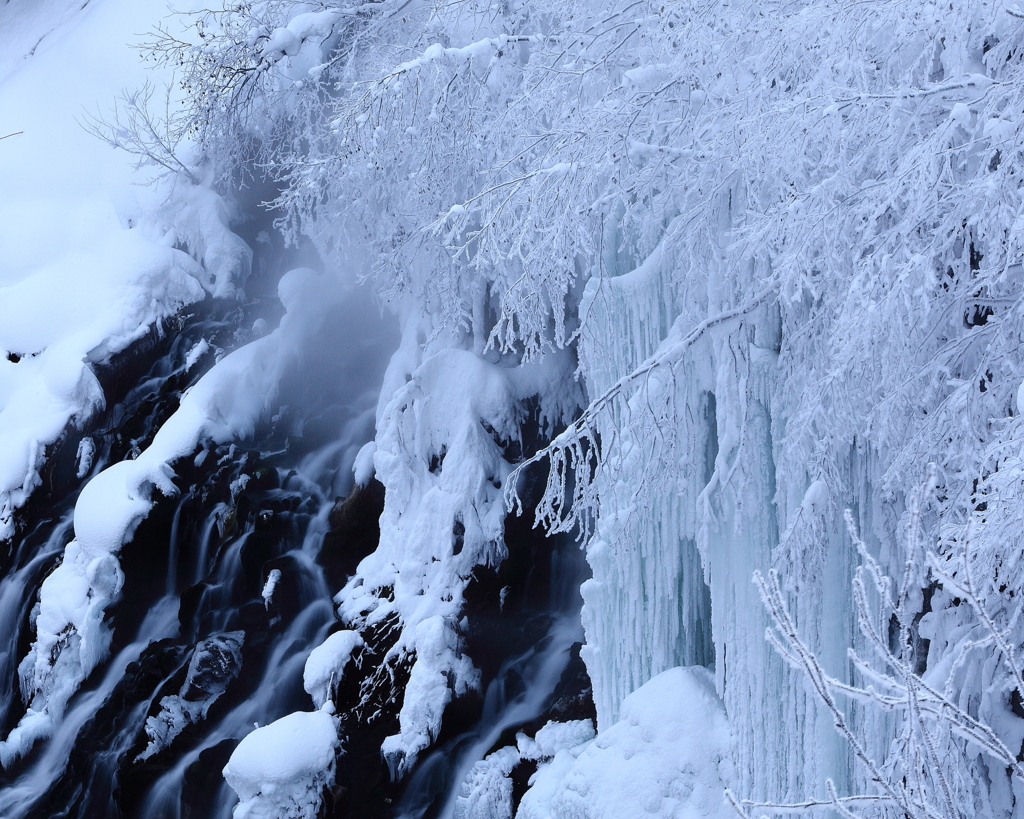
[667, 757]
[215, 662]
[280, 771]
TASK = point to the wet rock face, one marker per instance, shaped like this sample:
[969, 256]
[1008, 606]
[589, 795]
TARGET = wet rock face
[354, 532]
[215, 663]
[517, 618]
[366, 701]
[508, 611]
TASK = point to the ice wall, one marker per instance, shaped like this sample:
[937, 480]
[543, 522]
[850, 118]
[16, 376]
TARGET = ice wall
[647, 607]
[690, 508]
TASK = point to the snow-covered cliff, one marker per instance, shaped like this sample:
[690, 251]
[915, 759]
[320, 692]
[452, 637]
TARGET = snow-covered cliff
[703, 289]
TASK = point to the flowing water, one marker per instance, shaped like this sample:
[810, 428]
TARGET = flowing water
[193, 604]
[519, 693]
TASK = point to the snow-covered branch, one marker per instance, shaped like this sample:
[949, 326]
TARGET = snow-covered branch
[578, 452]
[920, 775]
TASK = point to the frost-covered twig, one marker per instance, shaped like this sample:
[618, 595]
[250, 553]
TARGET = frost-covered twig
[917, 770]
[131, 126]
[842, 804]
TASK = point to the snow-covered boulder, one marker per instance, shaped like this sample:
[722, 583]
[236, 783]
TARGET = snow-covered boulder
[667, 757]
[326, 664]
[281, 770]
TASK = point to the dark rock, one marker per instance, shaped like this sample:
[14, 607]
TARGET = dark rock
[354, 532]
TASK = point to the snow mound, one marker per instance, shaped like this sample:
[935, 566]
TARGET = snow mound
[281, 770]
[666, 757]
[326, 664]
[362, 468]
[268, 588]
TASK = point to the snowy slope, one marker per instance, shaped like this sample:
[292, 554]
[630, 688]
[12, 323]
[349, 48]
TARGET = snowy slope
[88, 256]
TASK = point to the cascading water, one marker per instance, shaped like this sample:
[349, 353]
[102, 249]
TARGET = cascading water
[520, 693]
[228, 586]
[202, 649]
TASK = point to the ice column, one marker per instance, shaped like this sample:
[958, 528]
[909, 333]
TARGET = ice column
[647, 607]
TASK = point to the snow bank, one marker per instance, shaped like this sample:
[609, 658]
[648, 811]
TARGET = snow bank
[281, 770]
[226, 403]
[666, 757]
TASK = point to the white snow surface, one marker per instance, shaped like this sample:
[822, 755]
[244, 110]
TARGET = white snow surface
[668, 756]
[362, 467]
[279, 771]
[87, 256]
[226, 403]
[198, 351]
[84, 457]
